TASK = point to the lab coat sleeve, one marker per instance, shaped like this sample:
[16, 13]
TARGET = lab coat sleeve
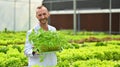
[52, 28]
[28, 46]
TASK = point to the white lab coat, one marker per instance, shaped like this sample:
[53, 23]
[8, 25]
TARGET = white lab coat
[50, 58]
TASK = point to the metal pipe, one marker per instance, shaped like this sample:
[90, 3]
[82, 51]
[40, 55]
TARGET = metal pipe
[14, 15]
[29, 14]
[119, 23]
[78, 22]
[74, 16]
[110, 16]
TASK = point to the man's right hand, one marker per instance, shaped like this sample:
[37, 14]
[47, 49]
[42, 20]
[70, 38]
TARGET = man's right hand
[35, 51]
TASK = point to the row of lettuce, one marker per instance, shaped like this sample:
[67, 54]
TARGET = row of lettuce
[12, 38]
[12, 56]
[100, 56]
[87, 54]
[11, 49]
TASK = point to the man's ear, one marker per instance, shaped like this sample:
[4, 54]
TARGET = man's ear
[36, 16]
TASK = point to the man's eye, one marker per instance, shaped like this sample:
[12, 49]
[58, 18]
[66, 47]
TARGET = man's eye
[44, 13]
[39, 15]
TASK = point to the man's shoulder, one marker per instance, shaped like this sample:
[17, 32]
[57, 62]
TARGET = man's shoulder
[52, 27]
[35, 27]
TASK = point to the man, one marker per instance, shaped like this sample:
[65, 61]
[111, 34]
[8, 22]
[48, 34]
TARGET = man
[50, 59]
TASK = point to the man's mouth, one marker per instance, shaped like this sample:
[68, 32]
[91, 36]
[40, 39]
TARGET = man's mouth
[44, 20]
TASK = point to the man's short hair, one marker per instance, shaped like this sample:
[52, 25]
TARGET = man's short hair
[39, 7]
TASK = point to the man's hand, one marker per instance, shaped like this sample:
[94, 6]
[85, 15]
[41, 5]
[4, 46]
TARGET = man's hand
[35, 51]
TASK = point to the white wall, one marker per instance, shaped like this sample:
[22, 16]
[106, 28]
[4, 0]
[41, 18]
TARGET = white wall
[18, 19]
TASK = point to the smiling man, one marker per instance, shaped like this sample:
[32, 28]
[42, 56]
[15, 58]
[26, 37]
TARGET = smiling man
[50, 59]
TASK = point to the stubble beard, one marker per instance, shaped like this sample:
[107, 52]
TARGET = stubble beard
[43, 21]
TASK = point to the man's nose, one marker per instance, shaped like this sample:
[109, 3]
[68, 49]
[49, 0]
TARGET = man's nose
[42, 16]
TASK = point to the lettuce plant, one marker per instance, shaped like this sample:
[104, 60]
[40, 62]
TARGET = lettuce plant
[46, 41]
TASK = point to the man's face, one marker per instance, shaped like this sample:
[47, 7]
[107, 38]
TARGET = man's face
[42, 15]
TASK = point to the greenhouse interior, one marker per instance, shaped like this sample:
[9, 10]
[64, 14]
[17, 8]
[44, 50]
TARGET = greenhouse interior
[80, 33]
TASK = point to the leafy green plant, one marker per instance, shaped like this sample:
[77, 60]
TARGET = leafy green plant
[101, 44]
[13, 62]
[17, 47]
[4, 49]
[45, 41]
